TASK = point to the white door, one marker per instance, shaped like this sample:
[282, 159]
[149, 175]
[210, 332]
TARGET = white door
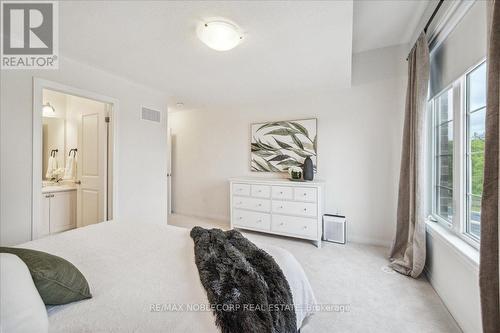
[91, 167]
[169, 171]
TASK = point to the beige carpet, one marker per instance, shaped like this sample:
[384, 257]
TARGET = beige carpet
[356, 275]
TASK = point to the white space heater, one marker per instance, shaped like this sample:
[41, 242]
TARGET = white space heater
[334, 228]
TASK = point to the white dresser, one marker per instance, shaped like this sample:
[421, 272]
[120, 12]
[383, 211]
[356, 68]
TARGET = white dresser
[278, 206]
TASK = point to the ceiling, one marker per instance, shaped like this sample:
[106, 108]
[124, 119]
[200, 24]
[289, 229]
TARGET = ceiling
[382, 23]
[290, 47]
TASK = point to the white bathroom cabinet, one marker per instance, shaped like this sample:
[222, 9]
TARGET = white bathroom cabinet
[58, 212]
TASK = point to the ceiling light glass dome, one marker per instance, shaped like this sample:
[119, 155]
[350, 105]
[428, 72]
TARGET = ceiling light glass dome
[219, 35]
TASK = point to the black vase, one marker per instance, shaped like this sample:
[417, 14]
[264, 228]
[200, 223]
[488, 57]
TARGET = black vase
[308, 169]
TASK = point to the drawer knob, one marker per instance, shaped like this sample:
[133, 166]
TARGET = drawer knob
[259, 220]
[259, 205]
[281, 207]
[304, 194]
[305, 209]
[282, 223]
[259, 191]
[305, 227]
[281, 192]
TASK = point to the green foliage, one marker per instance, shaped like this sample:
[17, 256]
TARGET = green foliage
[477, 165]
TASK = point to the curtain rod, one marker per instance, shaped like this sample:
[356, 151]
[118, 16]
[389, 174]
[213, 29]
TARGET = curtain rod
[433, 14]
[431, 18]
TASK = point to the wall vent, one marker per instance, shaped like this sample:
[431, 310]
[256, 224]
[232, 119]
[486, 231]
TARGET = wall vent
[151, 115]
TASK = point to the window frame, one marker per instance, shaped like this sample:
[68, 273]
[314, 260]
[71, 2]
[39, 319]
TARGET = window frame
[458, 223]
[468, 166]
[435, 133]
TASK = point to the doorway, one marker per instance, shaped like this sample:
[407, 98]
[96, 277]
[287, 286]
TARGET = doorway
[73, 158]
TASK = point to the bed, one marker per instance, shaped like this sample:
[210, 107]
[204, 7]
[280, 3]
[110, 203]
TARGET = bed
[143, 278]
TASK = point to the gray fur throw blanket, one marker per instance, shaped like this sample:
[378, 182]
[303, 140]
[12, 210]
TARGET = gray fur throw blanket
[246, 288]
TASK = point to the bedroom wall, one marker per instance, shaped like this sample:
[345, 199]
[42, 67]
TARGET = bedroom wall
[141, 146]
[452, 268]
[359, 140]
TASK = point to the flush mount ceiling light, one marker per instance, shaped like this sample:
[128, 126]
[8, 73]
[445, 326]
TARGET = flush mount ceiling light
[219, 34]
[48, 110]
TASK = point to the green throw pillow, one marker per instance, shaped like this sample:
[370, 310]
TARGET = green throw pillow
[58, 281]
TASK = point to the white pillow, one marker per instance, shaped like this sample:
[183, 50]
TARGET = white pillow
[21, 307]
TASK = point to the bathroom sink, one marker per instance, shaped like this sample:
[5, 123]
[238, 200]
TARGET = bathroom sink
[49, 183]
[57, 187]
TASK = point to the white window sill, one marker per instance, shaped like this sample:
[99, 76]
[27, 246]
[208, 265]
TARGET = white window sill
[458, 245]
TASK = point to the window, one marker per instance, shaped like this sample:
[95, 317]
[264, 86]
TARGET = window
[444, 156]
[458, 134]
[476, 112]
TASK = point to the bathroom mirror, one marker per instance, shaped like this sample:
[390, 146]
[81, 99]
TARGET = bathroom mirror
[54, 130]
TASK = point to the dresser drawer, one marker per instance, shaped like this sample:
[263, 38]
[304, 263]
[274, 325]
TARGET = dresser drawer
[299, 226]
[305, 194]
[294, 208]
[282, 192]
[261, 191]
[254, 220]
[241, 189]
[261, 205]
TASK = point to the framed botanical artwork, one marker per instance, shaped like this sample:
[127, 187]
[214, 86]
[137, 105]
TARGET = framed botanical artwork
[277, 146]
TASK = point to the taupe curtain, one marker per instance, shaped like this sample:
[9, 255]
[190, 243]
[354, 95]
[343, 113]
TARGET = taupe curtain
[408, 249]
[488, 268]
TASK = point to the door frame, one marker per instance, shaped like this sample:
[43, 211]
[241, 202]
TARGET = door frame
[169, 171]
[38, 86]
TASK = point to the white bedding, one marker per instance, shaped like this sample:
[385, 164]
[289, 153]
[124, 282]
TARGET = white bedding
[132, 268]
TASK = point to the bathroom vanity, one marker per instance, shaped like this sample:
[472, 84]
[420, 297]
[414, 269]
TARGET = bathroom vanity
[58, 209]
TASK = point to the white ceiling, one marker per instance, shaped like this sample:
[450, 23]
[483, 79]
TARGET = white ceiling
[382, 23]
[290, 47]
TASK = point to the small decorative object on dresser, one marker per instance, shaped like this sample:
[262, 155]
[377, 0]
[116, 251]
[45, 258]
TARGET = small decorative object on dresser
[308, 169]
[295, 173]
[278, 206]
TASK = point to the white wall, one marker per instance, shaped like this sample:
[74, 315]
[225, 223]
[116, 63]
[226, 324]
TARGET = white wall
[359, 140]
[452, 269]
[141, 146]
